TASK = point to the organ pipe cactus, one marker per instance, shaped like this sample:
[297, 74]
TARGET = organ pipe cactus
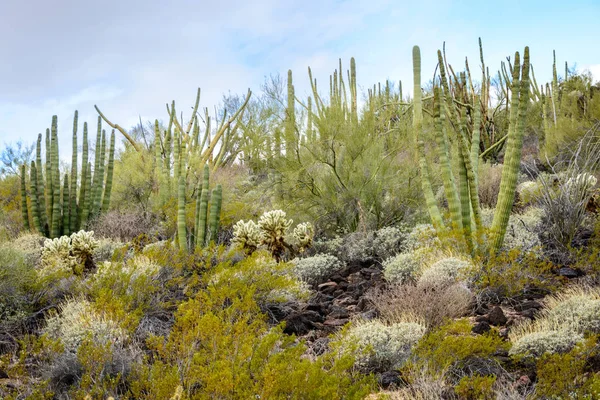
[24, 211]
[458, 102]
[181, 231]
[57, 212]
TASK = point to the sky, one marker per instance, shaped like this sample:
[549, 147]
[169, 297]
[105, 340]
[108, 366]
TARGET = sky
[131, 57]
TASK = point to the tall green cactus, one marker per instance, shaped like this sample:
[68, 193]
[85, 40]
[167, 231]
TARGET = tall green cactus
[181, 231]
[35, 207]
[512, 159]
[202, 209]
[215, 210]
[59, 212]
[463, 198]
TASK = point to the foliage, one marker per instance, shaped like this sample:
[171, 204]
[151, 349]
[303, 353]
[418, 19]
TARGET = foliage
[402, 268]
[454, 346]
[379, 346]
[69, 254]
[476, 387]
[315, 268]
[444, 272]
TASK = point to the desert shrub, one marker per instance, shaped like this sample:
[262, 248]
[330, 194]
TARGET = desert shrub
[314, 269]
[564, 200]
[433, 305]
[444, 272]
[489, 184]
[76, 319]
[389, 241]
[105, 250]
[18, 283]
[537, 343]
[125, 225]
[513, 274]
[329, 246]
[566, 375]
[422, 236]
[272, 281]
[454, 348]
[31, 245]
[421, 385]
[476, 387]
[529, 192]
[222, 347]
[567, 316]
[403, 267]
[379, 346]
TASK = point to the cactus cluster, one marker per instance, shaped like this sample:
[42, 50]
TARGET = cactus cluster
[271, 231]
[57, 209]
[455, 99]
[71, 254]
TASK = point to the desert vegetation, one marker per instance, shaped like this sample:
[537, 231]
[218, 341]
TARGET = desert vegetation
[346, 245]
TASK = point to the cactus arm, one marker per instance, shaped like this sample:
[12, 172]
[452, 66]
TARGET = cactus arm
[181, 231]
[447, 176]
[512, 159]
[66, 229]
[117, 127]
[24, 210]
[40, 188]
[195, 110]
[56, 209]
[84, 173]
[73, 191]
[49, 181]
[109, 173]
[434, 212]
[35, 206]
[214, 216]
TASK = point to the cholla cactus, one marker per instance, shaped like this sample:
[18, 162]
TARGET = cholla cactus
[304, 234]
[83, 245]
[529, 192]
[57, 257]
[382, 347]
[274, 226]
[247, 234]
[583, 182]
[76, 320]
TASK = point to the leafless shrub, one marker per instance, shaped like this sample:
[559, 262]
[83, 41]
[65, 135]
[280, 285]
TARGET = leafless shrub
[434, 304]
[565, 199]
[126, 225]
[423, 385]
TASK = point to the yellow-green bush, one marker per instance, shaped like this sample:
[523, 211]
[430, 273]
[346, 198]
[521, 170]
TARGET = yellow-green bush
[476, 387]
[453, 344]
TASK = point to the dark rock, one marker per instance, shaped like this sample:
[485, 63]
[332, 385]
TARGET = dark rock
[496, 317]
[527, 305]
[338, 293]
[343, 285]
[300, 323]
[389, 379]
[503, 333]
[335, 322]
[338, 313]
[345, 301]
[481, 309]
[529, 313]
[318, 307]
[3, 374]
[337, 278]
[481, 328]
[369, 315]
[320, 346]
[568, 272]
[327, 287]
[279, 311]
[364, 304]
[321, 298]
[369, 272]
[482, 318]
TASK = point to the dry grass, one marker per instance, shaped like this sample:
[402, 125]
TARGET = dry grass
[489, 184]
[125, 226]
[432, 304]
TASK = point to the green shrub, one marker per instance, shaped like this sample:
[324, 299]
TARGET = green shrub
[314, 269]
[476, 387]
[402, 268]
[453, 345]
[443, 273]
[378, 346]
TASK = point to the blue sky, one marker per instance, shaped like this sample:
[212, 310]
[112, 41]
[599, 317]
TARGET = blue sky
[131, 57]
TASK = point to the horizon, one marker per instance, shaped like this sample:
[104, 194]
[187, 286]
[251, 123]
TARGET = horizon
[131, 59]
